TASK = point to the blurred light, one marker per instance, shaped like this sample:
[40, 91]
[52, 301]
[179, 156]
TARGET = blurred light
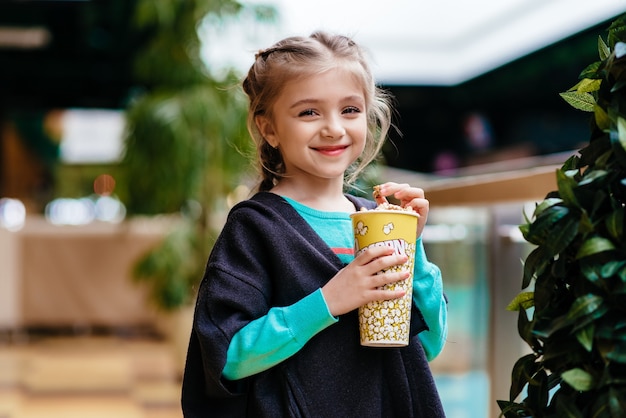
[511, 232]
[192, 209]
[445, 233]
[240, 193]
[12, 214]
[65, 211]
[458, 232]
[24, 37]
[92, 136]
[104, 185]
[110, 209]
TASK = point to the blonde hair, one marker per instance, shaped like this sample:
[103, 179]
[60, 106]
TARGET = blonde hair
[298, 57]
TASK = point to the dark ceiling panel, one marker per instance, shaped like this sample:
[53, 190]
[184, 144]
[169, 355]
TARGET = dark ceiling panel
[520, 101]
[86, 63]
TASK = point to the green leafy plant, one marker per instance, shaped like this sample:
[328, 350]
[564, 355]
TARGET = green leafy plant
[572, 308]
[186, 143]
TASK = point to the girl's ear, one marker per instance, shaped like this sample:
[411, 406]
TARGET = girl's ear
[264, 125]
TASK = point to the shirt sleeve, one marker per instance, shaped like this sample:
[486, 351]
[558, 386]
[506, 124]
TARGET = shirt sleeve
[429, 298]
[273, 338]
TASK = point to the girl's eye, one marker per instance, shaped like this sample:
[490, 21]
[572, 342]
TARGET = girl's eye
[352, 109]
[307, 112]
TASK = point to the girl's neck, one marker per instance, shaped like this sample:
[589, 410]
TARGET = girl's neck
[327, 197]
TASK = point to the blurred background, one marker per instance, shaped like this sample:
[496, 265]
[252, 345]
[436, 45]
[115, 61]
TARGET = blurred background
[123, 144]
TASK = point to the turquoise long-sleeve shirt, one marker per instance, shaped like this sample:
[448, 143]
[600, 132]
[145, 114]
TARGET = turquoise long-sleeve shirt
[283, 331]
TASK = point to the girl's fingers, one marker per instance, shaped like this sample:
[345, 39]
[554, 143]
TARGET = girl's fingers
[387, 262]
[373, 253]
[401, 191]
[391, 188]
[388, 294]
[375, 259]
[419, 205]
[363, 280]
[381, 280]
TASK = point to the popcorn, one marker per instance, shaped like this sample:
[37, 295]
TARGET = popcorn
[387, 322]
[383, 204]
[382, 322]
[391, 206]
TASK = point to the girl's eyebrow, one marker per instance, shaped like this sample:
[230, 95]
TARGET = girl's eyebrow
[315, 101]
[354, 98]
[304, 102]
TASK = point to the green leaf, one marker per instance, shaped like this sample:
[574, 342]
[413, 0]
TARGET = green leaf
[599, 407]
[612, 268]
[573, 162]
[580, 101]
[619, 84]
[622, 274]
[578, 379]
[544, 224]
[524, 300]
[585, 225]
[538, 391]
[523, 371]
[603, 49]
[584, 305]
[566, 184]
[616, 31]
[585, 309]
[621, 130]
[588, 85]
[617, 136]
[562, 352]
[617, 401]
[525, 330]
[592, 176]
[562, 235]
[613, 329]
[592, 71]
[585, 337]
[565, 405]
[596, 150]
[545, 204]
[560, 265]
[618, 353]
[605, 159]
[602, 118]
[594, 245]
[591, 271]
[524, 228]
[534, 265]
[582, 311]
[513, 409]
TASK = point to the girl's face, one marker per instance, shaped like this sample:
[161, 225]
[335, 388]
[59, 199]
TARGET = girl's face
[319, 124]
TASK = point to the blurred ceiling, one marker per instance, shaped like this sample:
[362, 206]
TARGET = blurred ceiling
[442, 42]
[78, 53]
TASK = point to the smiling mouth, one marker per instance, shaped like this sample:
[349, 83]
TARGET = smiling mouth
[331, 150]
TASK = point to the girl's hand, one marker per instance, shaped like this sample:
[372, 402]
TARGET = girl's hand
[359, 282]
[408, 196]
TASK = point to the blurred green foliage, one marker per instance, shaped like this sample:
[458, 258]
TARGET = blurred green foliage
[187, 145]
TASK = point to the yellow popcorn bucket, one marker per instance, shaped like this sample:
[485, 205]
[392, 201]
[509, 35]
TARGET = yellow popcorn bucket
[387, 323]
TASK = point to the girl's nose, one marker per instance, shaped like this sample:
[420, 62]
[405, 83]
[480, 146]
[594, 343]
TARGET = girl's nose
[333, 129]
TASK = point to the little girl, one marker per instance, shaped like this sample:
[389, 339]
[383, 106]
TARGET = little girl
[276, 332]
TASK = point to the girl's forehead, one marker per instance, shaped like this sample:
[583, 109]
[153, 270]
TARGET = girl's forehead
[332, 81]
